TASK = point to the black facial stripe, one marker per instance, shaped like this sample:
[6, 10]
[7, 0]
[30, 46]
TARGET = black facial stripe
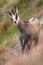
[16, 16]
[11, 19]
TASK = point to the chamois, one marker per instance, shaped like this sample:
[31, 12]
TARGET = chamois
[28, 31]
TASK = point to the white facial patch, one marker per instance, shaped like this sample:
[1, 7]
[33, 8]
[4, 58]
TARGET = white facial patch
[13, 17]
[17, 20]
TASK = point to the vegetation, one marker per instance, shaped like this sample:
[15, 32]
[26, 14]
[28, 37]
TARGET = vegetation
[27, 9]
[40, 3]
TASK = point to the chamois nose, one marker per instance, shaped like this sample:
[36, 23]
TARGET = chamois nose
[15, 21]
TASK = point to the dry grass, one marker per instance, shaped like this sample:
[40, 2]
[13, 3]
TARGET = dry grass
[34, 57]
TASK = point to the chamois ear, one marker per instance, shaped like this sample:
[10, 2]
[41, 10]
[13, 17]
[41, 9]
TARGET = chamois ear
[12, 11]
[17, 10]
[10, 14]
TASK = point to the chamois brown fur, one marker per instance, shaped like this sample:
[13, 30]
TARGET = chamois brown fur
[28, 31]
[33, 29]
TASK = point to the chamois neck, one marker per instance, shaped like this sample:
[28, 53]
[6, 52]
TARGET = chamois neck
[21, 26]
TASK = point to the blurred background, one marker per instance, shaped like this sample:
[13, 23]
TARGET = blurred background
[9, 34]
[27, 9]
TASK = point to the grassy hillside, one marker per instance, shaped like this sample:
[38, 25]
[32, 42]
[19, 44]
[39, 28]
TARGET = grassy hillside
[27, 9]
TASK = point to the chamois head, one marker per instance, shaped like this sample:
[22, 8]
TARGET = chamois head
[14, 16]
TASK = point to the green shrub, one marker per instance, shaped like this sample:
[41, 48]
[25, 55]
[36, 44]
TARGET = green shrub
[40, 3]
